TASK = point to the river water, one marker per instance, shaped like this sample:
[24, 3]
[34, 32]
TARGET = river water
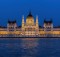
[29, 47]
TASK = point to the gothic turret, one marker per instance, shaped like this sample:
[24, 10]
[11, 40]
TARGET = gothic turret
[37, 26]
[11, 26]
[36, 21]
[22, 21]
[48, 24]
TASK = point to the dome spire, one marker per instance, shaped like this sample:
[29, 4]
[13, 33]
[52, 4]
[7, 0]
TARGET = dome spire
[30, 14]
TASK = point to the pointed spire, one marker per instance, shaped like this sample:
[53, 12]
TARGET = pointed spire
[30, 14]
[23, 19]
[36, 18]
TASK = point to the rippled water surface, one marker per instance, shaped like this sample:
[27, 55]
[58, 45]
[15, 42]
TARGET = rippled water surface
[29, 47]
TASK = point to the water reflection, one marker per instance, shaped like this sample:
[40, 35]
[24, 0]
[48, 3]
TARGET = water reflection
[29, 47]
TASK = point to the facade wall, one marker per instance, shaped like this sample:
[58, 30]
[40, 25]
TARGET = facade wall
[56, 32]
[30, 28]
[32, 32]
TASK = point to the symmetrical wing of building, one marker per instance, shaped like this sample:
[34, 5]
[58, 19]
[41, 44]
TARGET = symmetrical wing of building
[30, 27]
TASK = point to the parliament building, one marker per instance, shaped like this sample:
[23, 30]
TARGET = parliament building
[30, 27]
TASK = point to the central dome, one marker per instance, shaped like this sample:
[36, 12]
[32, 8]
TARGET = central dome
[30, 19]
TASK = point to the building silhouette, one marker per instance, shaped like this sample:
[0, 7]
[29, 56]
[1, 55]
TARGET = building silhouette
[30, 28]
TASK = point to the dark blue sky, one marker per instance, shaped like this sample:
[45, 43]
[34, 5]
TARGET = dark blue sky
[14, 9]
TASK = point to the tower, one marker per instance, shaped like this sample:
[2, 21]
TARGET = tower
[48, 27]
[37, 26]
[11, 27]
[22, 22]
[37, 21]
[22, 25]
[48, 24]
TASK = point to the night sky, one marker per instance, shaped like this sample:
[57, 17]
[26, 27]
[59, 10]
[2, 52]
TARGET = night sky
[14, 9]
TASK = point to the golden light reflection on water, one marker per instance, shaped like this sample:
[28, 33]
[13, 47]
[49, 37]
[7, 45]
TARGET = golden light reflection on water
[29, 46]
[29, 42]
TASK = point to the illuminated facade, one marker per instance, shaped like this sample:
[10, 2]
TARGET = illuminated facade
[30, 27]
